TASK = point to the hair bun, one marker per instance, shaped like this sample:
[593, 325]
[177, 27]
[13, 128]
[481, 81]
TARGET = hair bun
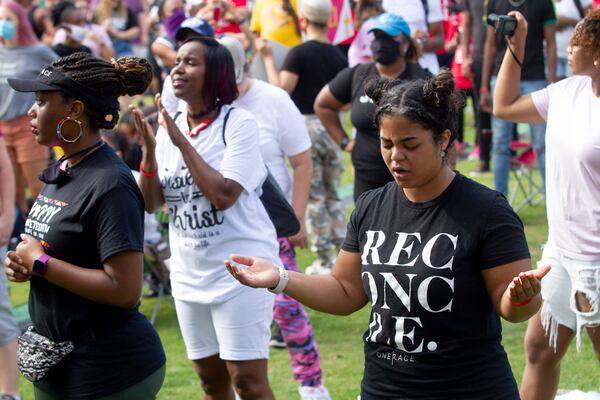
[438, 89]
[593, 14]
[135, 74]
[377, 88]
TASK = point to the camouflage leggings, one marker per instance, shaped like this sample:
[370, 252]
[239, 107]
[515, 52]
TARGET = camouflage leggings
[295, 327]
[325, 212]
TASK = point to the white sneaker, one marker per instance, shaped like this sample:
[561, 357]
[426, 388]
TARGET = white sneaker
[314, 393]
[317, 268]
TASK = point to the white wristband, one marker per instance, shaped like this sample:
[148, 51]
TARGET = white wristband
[283, 281]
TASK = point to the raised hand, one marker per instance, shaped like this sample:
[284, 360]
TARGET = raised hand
[259, 274]
[520, 35]
[527, 285]
[263, 47]
[177, 138]
[143, 126]
[14, 269]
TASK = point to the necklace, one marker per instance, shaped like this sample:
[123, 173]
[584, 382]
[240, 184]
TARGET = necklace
[202, 126]
[82, 153]
[202, 114]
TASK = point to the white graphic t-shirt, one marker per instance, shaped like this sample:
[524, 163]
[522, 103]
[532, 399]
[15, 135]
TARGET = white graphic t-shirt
[202, 236]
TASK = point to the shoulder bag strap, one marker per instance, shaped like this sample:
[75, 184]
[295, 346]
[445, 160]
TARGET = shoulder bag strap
[225, 124]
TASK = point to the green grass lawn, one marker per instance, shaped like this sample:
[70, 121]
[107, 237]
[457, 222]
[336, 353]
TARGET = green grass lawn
[339, 338]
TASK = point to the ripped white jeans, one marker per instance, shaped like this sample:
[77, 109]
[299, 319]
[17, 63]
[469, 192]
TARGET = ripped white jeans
[559, 289]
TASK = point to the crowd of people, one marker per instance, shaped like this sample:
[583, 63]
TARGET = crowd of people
[112, 111]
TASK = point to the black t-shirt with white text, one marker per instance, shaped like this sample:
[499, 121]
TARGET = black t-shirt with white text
[315, 63]
[433, 331]
[96, 214]
[349, 87]
[538, 13]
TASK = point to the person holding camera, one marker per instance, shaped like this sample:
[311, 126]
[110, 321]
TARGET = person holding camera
[570, 290]
[542, 22]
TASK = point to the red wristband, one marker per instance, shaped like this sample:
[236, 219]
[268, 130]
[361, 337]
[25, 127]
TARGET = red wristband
[521, 304]
[147, 174]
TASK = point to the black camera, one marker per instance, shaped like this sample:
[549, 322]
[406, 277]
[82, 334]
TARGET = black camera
[504, 25]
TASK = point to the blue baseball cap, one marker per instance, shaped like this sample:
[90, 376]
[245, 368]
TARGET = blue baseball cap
[392, 24]
[197, 26]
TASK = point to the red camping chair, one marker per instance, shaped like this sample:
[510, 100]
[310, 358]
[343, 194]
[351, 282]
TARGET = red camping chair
[523, 165]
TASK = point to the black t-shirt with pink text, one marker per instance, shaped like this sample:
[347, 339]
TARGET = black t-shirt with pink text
[97, 213]
[433, 332]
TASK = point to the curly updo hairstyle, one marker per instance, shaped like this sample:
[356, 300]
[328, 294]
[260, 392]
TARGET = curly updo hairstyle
[587, 32]
[433, 103]
[125, 76]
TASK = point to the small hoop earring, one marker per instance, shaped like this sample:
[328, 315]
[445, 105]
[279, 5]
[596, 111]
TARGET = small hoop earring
[59, 130]
[443, 154]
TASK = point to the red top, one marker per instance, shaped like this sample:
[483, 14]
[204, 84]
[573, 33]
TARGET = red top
[224, 26]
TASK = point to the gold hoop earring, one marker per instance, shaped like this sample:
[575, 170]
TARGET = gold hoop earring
[59, 130]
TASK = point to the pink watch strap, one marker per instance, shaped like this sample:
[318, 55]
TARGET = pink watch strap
[44, 258]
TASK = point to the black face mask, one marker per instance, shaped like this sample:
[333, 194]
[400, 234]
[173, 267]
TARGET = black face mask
[385, 50]
[57, 176]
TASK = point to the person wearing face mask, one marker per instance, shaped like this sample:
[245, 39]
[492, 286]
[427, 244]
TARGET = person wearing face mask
[70, 21]
[76, 21]
[172, 15]
[394, 55]
[21, 56]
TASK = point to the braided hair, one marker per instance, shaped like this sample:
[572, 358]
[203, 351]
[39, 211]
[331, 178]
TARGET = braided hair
[433, 103]
[125, 76]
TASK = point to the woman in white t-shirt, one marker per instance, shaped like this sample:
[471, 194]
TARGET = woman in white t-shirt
[210, 180]
[570, 291]
[568, 14]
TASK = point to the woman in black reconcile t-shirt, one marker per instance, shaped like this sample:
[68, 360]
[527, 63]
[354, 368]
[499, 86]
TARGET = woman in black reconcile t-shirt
[438, 256]
[83, 247]
[395, 55]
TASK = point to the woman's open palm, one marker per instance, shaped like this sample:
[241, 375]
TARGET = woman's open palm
[177, 138]
[259, 274]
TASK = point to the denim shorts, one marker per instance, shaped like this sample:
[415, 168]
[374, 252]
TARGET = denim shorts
[559, 288]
